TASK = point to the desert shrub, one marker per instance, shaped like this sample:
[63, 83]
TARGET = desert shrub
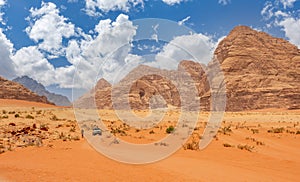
[59, 126]
[76, 138]
[115, 141]
[5, 117]
[73, 129]
[193, 145]
[246, 147]
[276, 130]
[290, 132]
[254, 131]
[227, 145]
[118, 131]
[44, 127]
[170, 129]
[225, 130]
[39, 112]
[11, 112]
[255, 141]
[17, 115]
[161, 144]
[54, 118]
[298, 133]
[29, 117]
[193, 142]
[260, 143]
[61, 135]
[151, 132]
[4, 112]
[12, 124]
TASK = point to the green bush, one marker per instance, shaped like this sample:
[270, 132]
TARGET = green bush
[17, 115]
[170, 129]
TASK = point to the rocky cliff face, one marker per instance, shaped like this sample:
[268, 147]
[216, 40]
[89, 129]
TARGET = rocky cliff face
[259, 71]
[13, 90]
[142, 88]
[38, 88]
[102, 91]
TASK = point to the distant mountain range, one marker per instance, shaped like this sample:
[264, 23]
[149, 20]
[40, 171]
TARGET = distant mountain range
[13, 90]
[39, 89]
[260, 71]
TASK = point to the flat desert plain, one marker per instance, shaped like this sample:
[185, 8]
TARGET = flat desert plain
[41, 142]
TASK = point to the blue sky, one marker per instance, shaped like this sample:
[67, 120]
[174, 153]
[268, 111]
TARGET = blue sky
[57, 41]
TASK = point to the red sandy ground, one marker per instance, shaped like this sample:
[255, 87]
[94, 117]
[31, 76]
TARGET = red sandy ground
[279, 160]
[23, 103]
[77, 161]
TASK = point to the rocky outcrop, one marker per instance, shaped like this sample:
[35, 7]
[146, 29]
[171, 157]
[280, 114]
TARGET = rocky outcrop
[142, 88]
[260, 71]
[38, 88]
[103, 91]
[256, 70]
[13, 90]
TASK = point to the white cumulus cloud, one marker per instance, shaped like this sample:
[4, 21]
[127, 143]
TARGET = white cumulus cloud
[93, 6]
[288, 3]
[173, 2]
[31, 62]
[196, 47]
[288, 21]
[49, 28]
[104, 54]
[291, 27]
[2, 2]
[7, 69]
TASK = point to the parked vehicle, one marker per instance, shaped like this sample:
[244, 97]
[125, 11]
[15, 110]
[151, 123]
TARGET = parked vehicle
[97, 131]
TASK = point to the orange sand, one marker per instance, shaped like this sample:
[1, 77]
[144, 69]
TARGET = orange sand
[277, 160]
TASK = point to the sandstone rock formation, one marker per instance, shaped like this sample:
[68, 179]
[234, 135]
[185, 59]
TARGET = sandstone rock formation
[12, 90]
[259, 72]
[103, 91]
[38, 88]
